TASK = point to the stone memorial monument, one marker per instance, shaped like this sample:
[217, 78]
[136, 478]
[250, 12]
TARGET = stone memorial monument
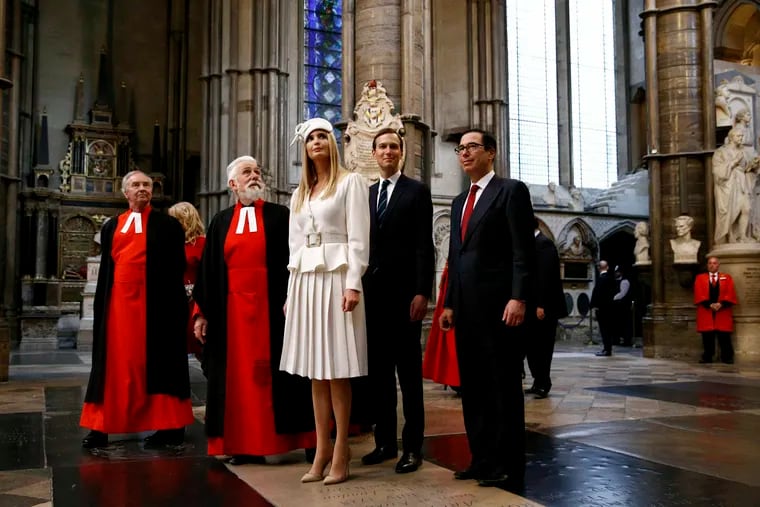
[373, 112]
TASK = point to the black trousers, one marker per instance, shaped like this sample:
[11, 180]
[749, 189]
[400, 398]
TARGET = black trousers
[606, 319]
[539, 344]
[724, 340]
[490, 367]
[393, 346]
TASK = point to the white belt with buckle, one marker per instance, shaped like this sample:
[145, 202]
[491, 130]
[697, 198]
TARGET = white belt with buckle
[318, 238]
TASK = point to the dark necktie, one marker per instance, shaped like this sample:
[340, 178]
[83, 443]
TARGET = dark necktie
[713, 279]
[468, 208]
[382, 203]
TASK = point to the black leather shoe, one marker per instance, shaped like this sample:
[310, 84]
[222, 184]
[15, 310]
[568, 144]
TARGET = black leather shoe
[95, 439]
[705, 361]
[728, 361]
[467, 474]
[379, 455]
[530, 390]
[541, 393]
[162, 438]
[603, 353]
[246, 459]
[310, 453]
[409, 462]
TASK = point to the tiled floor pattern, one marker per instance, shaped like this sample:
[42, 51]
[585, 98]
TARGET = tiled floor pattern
[622, 430]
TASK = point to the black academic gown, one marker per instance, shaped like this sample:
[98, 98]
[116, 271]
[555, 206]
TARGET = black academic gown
[166, 306]
[291, 395]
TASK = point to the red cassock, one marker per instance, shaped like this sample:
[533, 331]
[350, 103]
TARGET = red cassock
[126, 407]
[723, 319]
[440, 362]
[248, 409]
[193, 252]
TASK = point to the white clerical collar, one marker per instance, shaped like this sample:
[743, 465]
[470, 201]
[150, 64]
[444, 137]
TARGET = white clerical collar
[136, 218]
[247, 215]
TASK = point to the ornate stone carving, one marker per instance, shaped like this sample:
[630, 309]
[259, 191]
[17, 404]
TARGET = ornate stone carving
[735, 173]
[685, 248]
[577, 203]
[641, 249]
[76, 244]
[574, 248]
[373, 112]
[550, 196]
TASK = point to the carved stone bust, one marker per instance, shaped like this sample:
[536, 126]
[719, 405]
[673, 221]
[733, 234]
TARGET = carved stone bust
[641, 249]
[685, 248]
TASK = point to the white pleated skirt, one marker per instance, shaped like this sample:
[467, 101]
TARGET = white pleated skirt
[321, 340]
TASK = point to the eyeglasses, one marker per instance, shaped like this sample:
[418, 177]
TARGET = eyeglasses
[467, 147]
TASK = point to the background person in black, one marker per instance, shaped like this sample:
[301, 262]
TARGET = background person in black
[546, 308]
[397, 284]
[491, 269]
[601, 299]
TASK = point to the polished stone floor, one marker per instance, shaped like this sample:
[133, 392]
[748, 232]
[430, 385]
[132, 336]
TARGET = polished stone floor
[615, 431]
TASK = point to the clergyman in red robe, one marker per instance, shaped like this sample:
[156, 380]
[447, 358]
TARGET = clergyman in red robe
[139, 379]
[252, 409]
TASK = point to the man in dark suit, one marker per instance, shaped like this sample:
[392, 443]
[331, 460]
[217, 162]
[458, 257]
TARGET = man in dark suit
[397, 285]
[602, 299]
[546, 307]
[491, 267]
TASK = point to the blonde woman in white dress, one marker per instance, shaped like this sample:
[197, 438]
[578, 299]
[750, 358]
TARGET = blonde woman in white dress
[325, 330]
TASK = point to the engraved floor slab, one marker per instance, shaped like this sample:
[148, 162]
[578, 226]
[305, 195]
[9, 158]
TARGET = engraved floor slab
[21, 445]
[378, 485]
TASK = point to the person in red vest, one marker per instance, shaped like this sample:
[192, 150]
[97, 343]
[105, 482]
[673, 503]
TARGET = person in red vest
[715, 296]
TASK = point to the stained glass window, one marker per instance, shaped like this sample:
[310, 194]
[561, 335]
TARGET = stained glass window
[323, 26]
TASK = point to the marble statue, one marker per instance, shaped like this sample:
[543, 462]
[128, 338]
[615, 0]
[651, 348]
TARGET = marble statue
[576, 199]
[550, 196]
[722, 110]
[641, 249]
[576, 249]
[734, 173]
[684, 247]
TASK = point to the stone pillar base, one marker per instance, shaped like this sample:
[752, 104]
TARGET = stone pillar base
[670, 331]
[39, 332]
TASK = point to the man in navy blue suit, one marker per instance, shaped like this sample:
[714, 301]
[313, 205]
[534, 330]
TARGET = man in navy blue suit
[397, 285]
[491, 267]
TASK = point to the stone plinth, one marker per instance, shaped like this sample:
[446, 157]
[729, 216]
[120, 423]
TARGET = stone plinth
[39, 329]
[742, 262]
[84, 336]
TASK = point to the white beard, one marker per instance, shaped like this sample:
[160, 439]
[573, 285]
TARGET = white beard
[253, 193]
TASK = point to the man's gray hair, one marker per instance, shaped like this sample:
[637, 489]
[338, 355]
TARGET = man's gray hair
[235, 165]
[127, 176]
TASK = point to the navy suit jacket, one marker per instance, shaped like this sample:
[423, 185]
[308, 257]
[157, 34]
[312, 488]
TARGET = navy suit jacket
[401, 256]
[495, 261]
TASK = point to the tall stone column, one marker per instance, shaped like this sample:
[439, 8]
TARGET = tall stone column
[245, 93]
[391, 43]
[9, 188]
[488, 34]
[681, 117]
